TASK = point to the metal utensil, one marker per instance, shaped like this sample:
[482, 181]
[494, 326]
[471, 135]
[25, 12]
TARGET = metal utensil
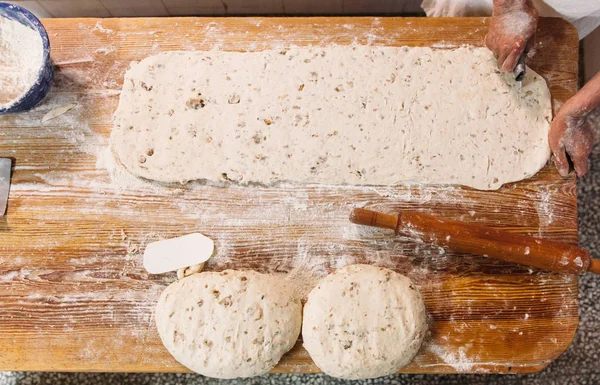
[5, 165]
[520, 70]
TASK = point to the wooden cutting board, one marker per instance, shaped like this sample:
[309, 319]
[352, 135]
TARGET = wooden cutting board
[75, 297]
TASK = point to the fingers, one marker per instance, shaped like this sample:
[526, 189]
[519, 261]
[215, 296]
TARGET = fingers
[576, 141]
[507, 57]
[502, 55]
[489, 42]
[507, 39]
[580, 149]
[580, 163]
[558, 129]
[560, 161]
[512, 58]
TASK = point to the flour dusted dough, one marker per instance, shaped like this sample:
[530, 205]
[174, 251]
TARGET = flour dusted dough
[229, 324]
[363, 322]
[337, 115]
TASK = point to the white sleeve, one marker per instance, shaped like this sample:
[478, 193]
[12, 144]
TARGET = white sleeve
[457, 8]
[587, 24]
[583, 14]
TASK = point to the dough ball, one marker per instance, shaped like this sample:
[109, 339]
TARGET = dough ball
[228, 324]
[363, 322]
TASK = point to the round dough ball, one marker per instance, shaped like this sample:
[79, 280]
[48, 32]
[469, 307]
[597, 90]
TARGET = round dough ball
[363, 322]
[228, 324]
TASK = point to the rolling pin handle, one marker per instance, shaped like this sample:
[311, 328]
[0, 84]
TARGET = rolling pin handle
[594, 266]
[371, 218]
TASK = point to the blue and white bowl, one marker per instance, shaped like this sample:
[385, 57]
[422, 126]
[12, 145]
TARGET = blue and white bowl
[40, 88]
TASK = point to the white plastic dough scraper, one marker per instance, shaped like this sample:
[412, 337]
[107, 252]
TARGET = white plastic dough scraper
[5, 165]
[177, 253]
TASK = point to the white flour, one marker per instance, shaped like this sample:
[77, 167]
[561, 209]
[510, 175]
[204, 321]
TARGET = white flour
[21, 55]
[458, 360]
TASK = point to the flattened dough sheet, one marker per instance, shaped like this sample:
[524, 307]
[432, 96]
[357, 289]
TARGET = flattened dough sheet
[355, 115]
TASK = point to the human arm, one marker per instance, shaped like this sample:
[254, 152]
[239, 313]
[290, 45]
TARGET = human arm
[512, 31]
[571, 131]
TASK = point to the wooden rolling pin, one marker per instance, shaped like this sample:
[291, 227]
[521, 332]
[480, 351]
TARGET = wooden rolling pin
[481, 240]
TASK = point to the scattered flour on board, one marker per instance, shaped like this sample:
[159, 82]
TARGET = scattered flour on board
[104, 51]
[456, 359]
[544, 206]
[306, 262]
[21, 57]
[98, 27]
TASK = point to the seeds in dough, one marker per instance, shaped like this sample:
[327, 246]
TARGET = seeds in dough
[229, 324]
[402, 115]
[363, 322]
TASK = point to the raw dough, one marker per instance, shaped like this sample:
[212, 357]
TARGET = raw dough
[337, 115]
[187, 271]
[229, 324]
[363, 322]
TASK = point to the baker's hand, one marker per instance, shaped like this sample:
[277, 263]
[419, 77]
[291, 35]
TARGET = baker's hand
[571, 135]
[572, 132]
[512, 31]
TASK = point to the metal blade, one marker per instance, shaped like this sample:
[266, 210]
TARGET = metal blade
[520, 69]
[5, 165]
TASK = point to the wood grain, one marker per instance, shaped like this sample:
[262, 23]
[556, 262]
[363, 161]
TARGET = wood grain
[75, 297]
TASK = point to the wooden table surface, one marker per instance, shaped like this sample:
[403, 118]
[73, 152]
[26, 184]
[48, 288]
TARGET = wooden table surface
[75, 297]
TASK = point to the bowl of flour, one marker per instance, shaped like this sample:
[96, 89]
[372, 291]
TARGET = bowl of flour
[25, 66]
